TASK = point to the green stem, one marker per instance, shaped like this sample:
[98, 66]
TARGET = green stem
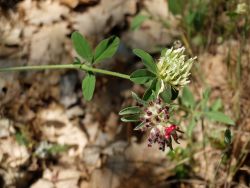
[67, 66]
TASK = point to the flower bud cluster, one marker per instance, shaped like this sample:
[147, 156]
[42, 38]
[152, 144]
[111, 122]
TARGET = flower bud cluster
[155, 118]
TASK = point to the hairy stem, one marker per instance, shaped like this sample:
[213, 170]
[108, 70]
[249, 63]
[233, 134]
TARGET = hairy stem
[67, 66]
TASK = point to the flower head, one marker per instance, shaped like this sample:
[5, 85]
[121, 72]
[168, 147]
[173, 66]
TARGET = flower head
[174, 68]
[242, 8]
[155, 118]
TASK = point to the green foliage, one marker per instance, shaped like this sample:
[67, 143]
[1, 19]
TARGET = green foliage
[187, 98]
[82, 46]
[195, 110]
[88, 86]
[131, 118]
[55, 149]
[130, 114]
[21, 138]
[219, 117]
[153, 89]
[106, 49]
[138, 99]
[217, 105]
[137, 21]
[141, 76]
[166, 95]
[176, 6]
[147, 60]
[130, 110]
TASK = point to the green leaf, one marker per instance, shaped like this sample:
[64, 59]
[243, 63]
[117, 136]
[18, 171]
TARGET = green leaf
[152, 90]
[82, 46]
[219, 117]
[146, 59]
[205, 97]
[88, 86]
[57, 148]
[21, 138]
[132, 118]
[176, 6]
[138, 99]
[169, 94]
[106, 48]
[227, 137]
[139, 126]
[187, 98]
[191, 126]
[130, 110]
[166, 95]
[163, 51]
[137, 21]
[217, 105]
[141, 76]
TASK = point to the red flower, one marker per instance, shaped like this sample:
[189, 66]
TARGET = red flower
[172, 131]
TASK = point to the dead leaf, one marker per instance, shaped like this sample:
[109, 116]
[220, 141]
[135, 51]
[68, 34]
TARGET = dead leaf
[15, 154]
[47, 45]
[43, 12]
[58, 128]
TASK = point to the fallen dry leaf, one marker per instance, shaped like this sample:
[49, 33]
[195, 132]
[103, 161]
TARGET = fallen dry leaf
[50, 40]
[43, 12]
[58, 128]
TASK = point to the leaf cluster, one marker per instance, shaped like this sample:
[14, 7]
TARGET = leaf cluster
[104, 50]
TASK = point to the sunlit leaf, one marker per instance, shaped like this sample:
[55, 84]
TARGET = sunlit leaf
[88, 86]
[146, 59]
[81, 46]
[106, 48]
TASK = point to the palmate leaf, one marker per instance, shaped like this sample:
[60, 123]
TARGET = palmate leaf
[82, 46]
[106, 48]
[88, 86]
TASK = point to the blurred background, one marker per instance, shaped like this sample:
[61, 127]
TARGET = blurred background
[51, 137]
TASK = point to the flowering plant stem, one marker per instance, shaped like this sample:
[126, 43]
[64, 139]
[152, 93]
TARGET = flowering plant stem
[67, 66]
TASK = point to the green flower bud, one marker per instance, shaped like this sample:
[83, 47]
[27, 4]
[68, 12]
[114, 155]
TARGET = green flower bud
[174, 68]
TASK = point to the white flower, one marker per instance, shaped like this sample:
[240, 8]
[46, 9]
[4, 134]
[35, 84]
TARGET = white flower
[174, 68]
[242, 8]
